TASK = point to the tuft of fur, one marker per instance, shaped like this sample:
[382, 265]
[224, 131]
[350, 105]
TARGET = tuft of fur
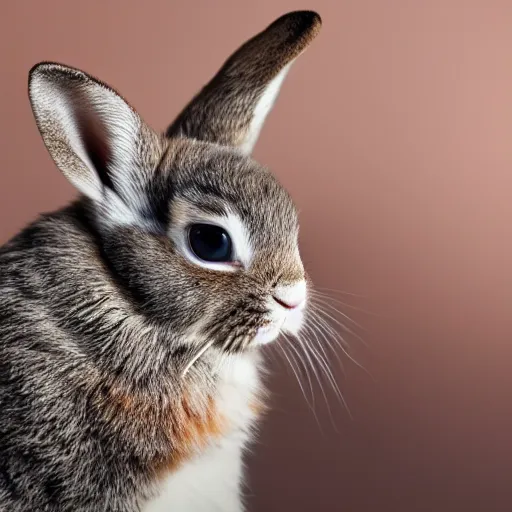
[130, 372]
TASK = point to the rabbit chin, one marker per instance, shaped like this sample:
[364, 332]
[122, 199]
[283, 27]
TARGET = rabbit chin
[287, 323]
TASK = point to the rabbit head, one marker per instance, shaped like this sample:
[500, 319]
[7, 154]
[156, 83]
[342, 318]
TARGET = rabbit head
[202, 238]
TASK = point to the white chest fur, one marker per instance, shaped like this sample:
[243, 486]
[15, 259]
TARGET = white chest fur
[212, 480]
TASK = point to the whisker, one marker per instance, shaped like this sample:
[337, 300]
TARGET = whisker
[317, 320]
[324, 302]
[338, 339]
[311, 329]
[341, 292]
[316, 309]
[199, 353]
[305, 366]
[312, 349]
[319, 380]
[272, 350]
[296, 375]
[317, 293]
[324, 365]
[313, 368]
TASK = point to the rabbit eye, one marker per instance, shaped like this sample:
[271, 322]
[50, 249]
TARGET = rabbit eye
[210, 243]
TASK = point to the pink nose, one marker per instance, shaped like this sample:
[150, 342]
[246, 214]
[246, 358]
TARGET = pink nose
[286, 305]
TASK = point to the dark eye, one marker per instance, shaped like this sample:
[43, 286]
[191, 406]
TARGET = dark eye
[210, 243]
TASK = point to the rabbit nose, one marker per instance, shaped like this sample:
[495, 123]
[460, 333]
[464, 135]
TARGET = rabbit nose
[290, 296]
[285, 305]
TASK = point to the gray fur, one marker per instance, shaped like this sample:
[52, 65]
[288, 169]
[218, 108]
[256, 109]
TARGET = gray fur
[96, 317]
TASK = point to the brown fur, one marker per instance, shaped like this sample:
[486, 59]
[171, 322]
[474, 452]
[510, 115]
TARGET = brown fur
[103, 309]
[187, 426]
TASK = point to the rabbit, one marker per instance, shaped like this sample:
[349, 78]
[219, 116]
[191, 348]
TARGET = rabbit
[132, 320]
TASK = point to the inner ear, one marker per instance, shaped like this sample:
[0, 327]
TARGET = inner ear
[97, 143]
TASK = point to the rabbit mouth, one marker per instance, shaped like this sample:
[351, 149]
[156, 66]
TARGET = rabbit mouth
[268, 332]
[259, 326]
[283, 319]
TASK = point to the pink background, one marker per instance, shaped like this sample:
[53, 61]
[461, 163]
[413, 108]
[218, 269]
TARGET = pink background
[394, 134]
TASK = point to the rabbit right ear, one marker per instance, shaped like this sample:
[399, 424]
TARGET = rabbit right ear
[96, 139]
[232, 107]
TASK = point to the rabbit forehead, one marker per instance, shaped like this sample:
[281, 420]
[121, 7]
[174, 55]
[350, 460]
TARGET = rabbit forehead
[221, 182]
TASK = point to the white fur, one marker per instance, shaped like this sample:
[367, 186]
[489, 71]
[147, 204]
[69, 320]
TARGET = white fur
[263, 107]
[292, 294]
[282, 319]
[240, 237]
[212, 481]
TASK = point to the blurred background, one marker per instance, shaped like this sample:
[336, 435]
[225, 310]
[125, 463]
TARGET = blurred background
[394, 134]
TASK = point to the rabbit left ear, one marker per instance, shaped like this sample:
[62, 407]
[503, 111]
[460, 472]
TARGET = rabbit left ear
[95, 137]
[231, 109]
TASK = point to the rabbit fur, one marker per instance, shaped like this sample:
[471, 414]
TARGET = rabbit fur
[130, 372]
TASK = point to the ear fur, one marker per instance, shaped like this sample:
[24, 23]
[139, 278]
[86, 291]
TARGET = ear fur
[94, 136]
[232, 107]
[106, 150]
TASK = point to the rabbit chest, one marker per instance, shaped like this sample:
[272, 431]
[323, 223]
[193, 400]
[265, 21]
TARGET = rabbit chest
[205, 470]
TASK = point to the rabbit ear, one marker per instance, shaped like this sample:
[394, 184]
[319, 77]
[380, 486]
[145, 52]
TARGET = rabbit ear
[232, 107]
[96, 139]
